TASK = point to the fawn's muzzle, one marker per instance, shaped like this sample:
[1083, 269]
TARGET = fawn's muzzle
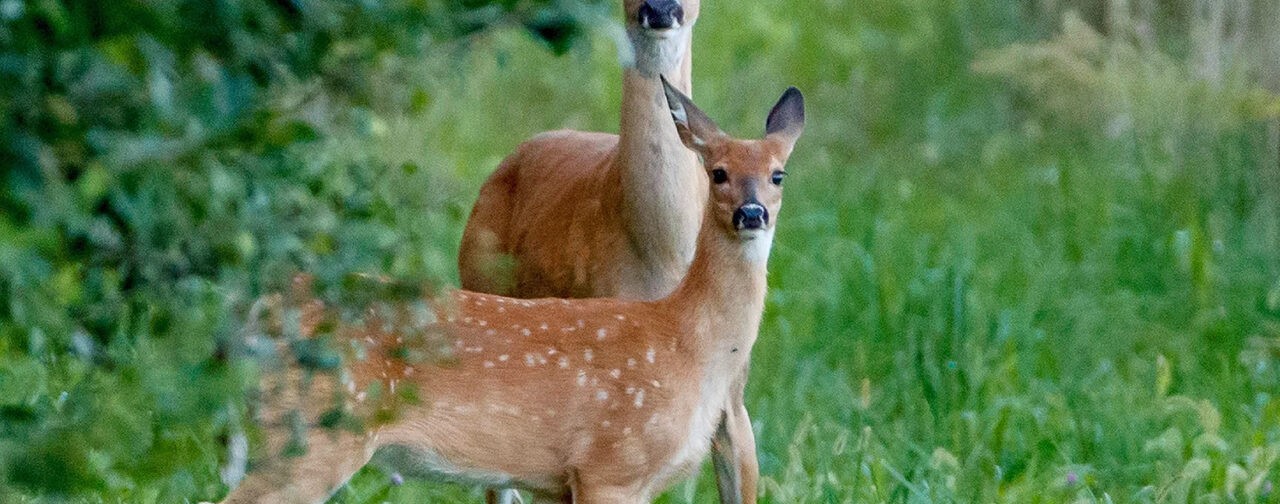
[661, 14]
[750, 216]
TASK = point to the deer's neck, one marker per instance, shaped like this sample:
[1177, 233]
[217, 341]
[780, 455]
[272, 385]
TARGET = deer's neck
[662, 188]
[723, 294]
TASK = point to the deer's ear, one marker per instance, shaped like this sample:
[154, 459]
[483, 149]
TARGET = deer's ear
[695, 128]
[786, 120]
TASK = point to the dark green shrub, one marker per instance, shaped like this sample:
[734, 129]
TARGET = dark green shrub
[158, 172]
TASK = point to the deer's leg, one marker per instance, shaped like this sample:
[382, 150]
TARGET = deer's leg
[552, 499]
[733, 452]
[329, 461]
[586, 489]
[592, 494]
[503, 496]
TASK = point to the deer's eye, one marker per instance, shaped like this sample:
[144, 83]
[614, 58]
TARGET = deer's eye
[719, 176]
[778, 175]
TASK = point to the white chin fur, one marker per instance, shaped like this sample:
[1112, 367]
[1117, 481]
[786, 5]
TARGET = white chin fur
[658, 52]
[756, 244]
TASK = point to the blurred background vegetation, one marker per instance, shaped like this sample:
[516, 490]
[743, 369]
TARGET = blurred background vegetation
[1030, 252]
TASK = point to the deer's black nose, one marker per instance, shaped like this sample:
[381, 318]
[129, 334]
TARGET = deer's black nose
[750, 216]
[661, 14]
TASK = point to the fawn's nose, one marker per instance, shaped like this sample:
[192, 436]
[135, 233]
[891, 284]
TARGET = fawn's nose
[750, 216]
[661, 14]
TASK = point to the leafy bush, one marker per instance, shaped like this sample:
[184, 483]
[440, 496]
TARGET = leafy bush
[161, 171]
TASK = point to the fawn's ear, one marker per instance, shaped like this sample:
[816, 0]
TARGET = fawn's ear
[786, 120]
[695, 128]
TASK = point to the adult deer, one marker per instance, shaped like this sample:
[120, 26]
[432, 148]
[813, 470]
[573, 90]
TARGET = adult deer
[576, 214]
[603, 400]
[592, 214]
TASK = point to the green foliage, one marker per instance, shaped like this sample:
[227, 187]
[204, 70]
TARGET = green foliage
[163, 166]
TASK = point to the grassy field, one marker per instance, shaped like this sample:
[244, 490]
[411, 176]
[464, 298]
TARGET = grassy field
[1025, 256]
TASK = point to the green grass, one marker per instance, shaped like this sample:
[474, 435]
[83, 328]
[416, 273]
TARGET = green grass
[1044, 272]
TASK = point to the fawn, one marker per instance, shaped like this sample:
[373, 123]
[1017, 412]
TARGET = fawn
[603, 400]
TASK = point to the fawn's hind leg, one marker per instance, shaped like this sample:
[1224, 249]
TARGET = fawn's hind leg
[330, 459]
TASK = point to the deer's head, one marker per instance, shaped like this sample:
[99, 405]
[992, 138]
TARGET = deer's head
[659, 32]
[746, 175]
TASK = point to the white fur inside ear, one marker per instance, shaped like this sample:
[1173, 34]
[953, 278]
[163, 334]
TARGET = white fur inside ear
[756, 245]
[677, 111]
[697, 141]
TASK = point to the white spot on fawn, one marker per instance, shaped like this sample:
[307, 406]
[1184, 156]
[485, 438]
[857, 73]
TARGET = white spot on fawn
[650, 355]
[631, 363]
[581, 324]
[488, 364]
[601, 333]
[564, 362]
[615, 373]
[620, 316]
[543, 327]
[602, 395]
[524, 332]
[529, 359]
[582, 378]
[503, 357]
[639, 401]
[587, 354]
[656, 384]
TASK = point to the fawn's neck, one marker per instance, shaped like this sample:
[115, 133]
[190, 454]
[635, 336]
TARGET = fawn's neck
[724, 291]
[662, 190]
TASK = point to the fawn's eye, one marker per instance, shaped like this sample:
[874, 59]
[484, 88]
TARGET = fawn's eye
[778, 175]
[719, 176]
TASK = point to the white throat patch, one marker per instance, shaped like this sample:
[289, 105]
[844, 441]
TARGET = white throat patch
[656, 56]
[756, 245]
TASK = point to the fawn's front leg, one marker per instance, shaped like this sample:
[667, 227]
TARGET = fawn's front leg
[733, 451]
[502, 496]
